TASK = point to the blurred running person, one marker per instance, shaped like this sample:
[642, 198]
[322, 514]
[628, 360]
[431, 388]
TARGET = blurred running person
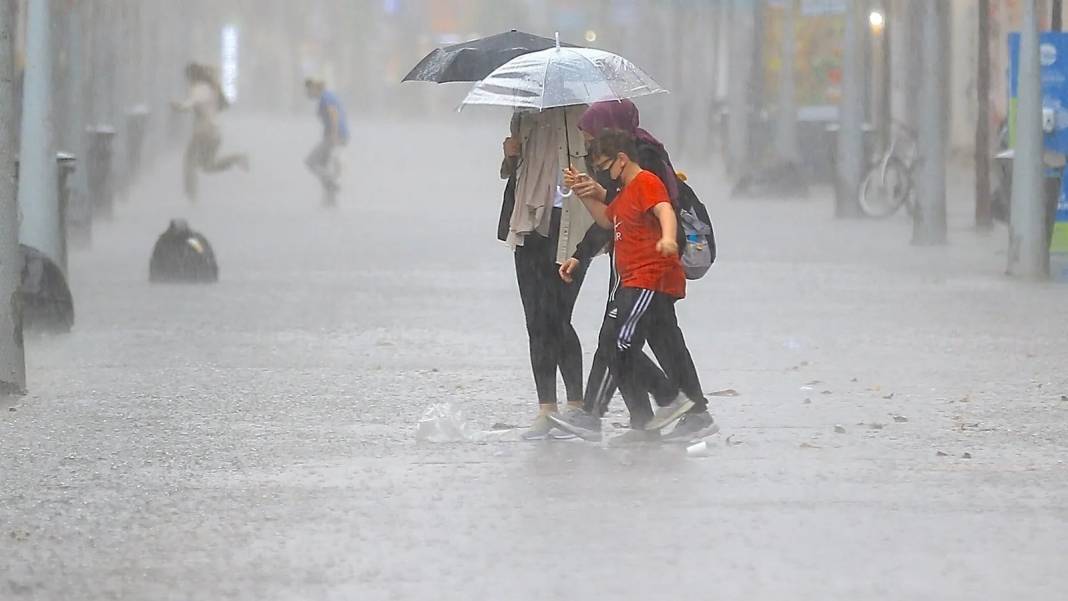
[324, 161]
[205, 100]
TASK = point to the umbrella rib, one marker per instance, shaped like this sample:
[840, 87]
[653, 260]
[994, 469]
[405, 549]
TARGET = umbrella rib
[544, 81]
[598, 68]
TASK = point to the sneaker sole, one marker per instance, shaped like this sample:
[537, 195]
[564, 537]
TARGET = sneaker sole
[616, 443]
[694, 437]
[583, 433]
[662, 419]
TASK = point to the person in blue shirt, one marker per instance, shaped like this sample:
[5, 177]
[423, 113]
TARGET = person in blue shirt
[323, 160]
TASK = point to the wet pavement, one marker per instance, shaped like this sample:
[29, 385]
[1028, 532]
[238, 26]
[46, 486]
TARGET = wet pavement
[899, 429]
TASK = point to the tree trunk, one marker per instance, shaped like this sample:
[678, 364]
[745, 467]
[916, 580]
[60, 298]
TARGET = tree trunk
[984, 202]
[929, 218]
[850, 152]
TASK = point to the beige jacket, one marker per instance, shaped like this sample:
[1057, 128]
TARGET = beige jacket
[546, 150]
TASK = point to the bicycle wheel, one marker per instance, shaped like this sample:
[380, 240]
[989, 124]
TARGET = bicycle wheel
[884, 190]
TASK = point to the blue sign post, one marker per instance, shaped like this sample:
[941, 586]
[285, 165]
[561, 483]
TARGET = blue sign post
[1053, 54]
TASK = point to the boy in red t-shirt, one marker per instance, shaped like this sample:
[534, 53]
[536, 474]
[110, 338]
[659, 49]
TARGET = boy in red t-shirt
[652, 279]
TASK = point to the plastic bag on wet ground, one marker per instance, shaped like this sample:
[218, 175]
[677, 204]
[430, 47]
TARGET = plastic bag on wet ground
[443, 422]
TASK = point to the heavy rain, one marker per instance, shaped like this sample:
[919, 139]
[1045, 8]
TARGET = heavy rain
[533, 299]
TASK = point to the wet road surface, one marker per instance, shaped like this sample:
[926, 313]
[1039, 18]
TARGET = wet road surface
[255, 439]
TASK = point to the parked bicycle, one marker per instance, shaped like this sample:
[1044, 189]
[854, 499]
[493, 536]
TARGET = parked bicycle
[889, 184]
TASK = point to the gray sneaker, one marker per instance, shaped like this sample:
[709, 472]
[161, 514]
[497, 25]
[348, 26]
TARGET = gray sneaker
[692, 426]
[578, 422]
[668, 415]
[543, 428]
[539, 430]
[631, 437]
[558, 433]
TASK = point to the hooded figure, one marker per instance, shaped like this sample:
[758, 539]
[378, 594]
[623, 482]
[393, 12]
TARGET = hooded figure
[623, 115]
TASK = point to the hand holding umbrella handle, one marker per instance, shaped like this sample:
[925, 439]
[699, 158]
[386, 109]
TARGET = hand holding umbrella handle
[570, 178]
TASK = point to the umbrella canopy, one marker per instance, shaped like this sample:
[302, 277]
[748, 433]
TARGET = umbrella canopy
[474, 60]
[562, 77]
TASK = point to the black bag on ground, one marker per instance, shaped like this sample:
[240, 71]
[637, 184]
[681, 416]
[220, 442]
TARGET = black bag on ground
[182, 255]
[47, 303]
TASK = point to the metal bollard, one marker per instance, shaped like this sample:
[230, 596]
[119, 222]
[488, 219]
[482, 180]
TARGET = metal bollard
[65, 165]
[136, 125]
[46, 298]
[98, 170]
[74, 215]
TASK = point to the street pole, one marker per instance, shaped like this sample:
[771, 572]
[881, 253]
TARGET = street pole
[885, 81]
[702, 92]
[929, 218]
[787, 144]
[850, 153]
[12, 357]
[674, 19]
[984, 202]
[38, 199]
[1027, 253]
[710, 105]
[1057, 20]
[912, 21]
[79, 211]
[738, 93]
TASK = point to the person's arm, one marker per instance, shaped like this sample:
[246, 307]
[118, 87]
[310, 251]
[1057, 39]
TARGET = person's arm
[594, 205]
[665, 214]
[596, 236]
[507, 168]
[595, 239]
[184, 105]
[513, 147]
[587, 186]
[599, 210]
[335, 124]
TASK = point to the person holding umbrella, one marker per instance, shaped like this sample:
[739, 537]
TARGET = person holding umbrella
[543, 228]
[540, 220]
[549, 89]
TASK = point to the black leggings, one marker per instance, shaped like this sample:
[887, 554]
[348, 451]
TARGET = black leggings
[548, 303]
[648, 315]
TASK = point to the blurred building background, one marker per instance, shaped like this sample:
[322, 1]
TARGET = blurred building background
[118, 63]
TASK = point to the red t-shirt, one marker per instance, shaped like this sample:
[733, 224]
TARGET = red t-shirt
[637, 232]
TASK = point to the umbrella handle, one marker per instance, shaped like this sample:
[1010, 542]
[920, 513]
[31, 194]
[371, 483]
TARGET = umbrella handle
[561, 190]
